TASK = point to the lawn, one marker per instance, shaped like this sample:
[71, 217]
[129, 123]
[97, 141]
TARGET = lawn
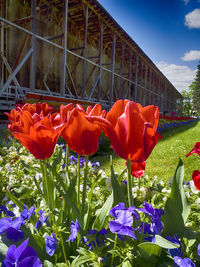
[164, 158]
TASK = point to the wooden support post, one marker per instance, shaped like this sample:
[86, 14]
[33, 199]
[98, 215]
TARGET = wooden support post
[100, 62]
[64, 53]
[84, 53]
[129, 75]
[145, 85]
[112, 70]
[159, 93]
[121, 71]
[141, 82]
[136, 78]
[33, 43]
[150, 86]
[2, 69]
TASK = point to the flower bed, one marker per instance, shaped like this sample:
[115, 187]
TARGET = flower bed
[171, 122]
[60, 209]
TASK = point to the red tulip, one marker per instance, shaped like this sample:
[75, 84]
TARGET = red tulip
[39, 138]
[196, 149]
[81, 135]
[131, 129]
[137, 168]
[196, 178]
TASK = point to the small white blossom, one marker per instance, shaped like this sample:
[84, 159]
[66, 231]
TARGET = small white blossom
[164, 199]
[38, 176]
[7, 166]
[193, 187]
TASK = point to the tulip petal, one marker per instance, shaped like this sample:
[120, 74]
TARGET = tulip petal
[116, 111]
[81, 135]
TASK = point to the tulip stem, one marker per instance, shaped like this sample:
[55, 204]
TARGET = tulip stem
[130, 196]
[78, 181]
[84, 187]
[67, 163]
[115, 244]
[63, 248]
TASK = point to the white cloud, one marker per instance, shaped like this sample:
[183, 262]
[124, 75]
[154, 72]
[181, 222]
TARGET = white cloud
[191, 55]
[192, 19]
[180, 76]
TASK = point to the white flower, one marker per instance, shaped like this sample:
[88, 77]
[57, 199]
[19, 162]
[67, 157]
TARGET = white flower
[38, 176]
[193, 187]
[164, 199]
[187, 194]
[7, 166]
[16, 211]
[164, 190]
[162, 183]
[81, 188]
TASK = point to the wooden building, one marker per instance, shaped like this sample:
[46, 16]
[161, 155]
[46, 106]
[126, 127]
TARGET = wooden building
[74, 51]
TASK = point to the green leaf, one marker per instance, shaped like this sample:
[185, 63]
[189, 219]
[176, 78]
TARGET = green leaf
[164, 243]
[57, 159]
[101, 214]
[149, 252]
[126, 264]
[177, 207]
[22, 191]
[118, 194]
[58, 177]
[48, 264]
[18, 202]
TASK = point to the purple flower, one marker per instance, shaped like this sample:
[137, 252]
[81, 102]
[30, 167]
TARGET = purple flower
[41, 220]
[6, 211]
[12, 228]
[176, 251]
[198, 249]
[95, 238]
[186, 262]
[74, 231]
[26, 214]
[21, 256]
[122, 225]
[95, 165]
[149, 210]
[51, 244]
[155, 215]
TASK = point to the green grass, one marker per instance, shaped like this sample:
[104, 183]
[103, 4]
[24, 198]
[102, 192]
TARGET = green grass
[165, 156]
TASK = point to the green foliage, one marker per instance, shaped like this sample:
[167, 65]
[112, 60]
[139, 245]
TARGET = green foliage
[177, 207]
[195, 89]
[187, 103]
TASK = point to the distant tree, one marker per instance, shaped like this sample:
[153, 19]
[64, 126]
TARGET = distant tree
[187, 103]
[195, 89]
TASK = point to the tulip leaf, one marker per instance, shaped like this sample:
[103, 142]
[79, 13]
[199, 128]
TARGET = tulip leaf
[58, 177]
[149, 252]
[22, 191]
[15, 200]
[164, 243]
[57, 158]
[177, 208]
[102, 214]
[118, 194]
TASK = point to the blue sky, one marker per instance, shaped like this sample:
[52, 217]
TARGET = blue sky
[168, 31]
